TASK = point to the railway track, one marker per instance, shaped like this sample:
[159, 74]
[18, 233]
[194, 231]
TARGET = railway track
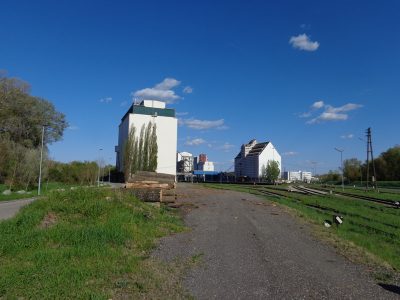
[389, 203]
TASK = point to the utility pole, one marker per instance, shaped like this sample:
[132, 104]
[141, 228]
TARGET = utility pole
[41, 160]
[370, 151]
[341, 164]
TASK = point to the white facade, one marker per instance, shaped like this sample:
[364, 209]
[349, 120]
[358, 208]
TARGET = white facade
[298, 176]
[167, 132]
[205, 166]
[254, 157]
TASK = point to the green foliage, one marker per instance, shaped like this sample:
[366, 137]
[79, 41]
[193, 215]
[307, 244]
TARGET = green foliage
[81, 244]
[352, 169]
[140, 153]
[153, 155]
[271, 171]
[22, 118]
[76, 172]
[22, 115]
[388, 164]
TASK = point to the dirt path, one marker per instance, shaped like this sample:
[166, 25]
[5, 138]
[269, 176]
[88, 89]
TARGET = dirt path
[8, 209]
[251, 249]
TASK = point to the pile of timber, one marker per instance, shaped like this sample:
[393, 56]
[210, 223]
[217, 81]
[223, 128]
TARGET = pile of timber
[152, 187]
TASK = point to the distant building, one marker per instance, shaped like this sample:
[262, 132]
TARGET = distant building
[203, 158]
[167, 127]
[201, 163]
[253, 157]
[185, 162]
[303, 176]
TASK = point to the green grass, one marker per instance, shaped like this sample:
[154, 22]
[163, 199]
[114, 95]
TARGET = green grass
[86, 243]
[373, 227]
[46, 188]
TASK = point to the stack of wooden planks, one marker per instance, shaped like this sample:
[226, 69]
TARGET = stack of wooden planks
[152, 187]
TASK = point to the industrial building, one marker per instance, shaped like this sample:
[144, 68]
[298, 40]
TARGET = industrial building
[253, 158]
[185, 162]
[139, 115]
[303, 176]
[201, 163]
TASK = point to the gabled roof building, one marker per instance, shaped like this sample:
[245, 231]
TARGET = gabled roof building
[253, 156]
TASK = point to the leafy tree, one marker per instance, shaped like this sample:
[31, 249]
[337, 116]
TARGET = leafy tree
[272, 171]
[153, 155]
[22, 115]
[352, 169]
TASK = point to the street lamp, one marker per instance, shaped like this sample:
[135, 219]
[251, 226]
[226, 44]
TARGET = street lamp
[341, 163]
[98, 176]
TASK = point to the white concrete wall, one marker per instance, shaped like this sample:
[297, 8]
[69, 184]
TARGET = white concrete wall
[122, 137]
[269, 153]
[167, 138]
[153, 103]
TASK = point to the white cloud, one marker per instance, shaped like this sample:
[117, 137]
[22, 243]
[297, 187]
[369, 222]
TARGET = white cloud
[328, 116]
[347, 136]
[202, 124]
[182, 113]
[195, 142]
[106, 100]
[289, 153]
[161, 91]
[303, 42]
[318, 105]
[188, 90]
[226, 147]
[330, 113]
[167, 84]
[345, 108]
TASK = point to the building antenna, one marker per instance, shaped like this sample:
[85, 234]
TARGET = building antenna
[370, 151]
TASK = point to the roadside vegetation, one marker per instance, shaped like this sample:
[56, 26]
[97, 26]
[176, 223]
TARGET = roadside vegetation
[370, 226]
[86, 243]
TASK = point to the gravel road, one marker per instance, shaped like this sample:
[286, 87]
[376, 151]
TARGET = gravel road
[9, 208]
[252, 249]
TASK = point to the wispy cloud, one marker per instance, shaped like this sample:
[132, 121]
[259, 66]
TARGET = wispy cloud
[318, 104]
[106, 100]
[124, 103]
[329, 113]
[305, 26]
[161, 91]
[203, 124]
[188, 90]
[182, 113]
[226, 147]
[290, 153]
[303, 42]
[195, 142]
[347, 136]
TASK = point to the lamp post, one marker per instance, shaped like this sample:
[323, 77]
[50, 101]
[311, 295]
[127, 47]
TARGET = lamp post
[98, 176]
[341, 164]
[41, 161]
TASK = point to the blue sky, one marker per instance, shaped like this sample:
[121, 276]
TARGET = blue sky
[307, 75]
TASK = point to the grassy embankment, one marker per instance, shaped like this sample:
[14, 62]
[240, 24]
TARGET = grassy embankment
[86, 243]
[372, 227]
[46, 188]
